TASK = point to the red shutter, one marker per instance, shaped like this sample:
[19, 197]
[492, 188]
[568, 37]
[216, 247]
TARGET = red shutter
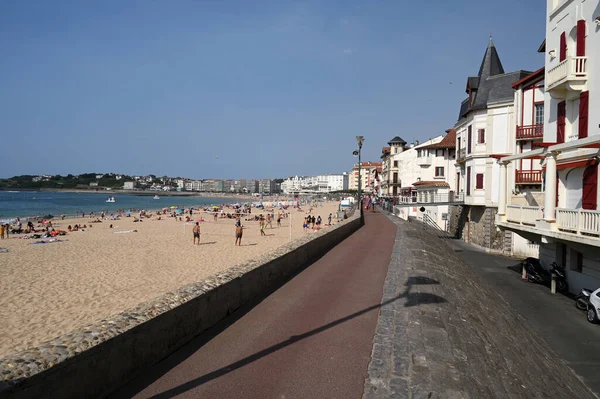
[581, 38]
[563, 47]
[468, 180]
[560, 122]
[584, 100]
[479, 182]
[590, 188]
[469, 139]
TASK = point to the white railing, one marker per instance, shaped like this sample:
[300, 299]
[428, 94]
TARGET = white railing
[424, 161]
[572, 68]
[578, 221]
[523, 214]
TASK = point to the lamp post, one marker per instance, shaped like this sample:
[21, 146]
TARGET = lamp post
[360, 140]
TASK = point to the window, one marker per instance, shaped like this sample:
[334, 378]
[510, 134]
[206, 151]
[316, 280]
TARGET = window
[439, 153]
[479, 181]
[395, 164]
[468, 180]
[439, 171]
[539, 114]
[576, 261]
[395, 150]
[419, 153]
[480, 136]
[584, 99]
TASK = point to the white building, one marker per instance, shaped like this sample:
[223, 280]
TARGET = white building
[320, 183]
[482, 133]
[390, 186]
[566, 223]
[128, 185]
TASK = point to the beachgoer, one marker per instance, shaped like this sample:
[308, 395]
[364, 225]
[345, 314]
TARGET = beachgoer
[2, 231]
[319, 220]
[239, 231]
[279, 220]
[269, 220]
[196, 231]
[262, 226]
[305, 224]
[215, 216]
[7, 229]
[329, 219]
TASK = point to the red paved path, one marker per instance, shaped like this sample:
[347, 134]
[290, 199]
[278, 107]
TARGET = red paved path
[312, 338]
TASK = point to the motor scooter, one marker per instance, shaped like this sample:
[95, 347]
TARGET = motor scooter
[537, 274]
[582, 300]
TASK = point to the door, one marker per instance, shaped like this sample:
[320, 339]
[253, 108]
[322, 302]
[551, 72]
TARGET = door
[560, 121]
[468, 180]
[590, 188]
[563, 47]
[584, 100]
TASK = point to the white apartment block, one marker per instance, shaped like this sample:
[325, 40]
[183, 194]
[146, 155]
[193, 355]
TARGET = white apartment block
[566, 220]
[320, 183]
[390, 185]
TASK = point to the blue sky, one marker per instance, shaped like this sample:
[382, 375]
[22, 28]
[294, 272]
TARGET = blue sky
[271, 88]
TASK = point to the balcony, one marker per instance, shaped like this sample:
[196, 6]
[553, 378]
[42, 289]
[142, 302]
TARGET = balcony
[569, 75]
[528, 177]
[578, 221]
[526, 215]
[430, 198]
[530, 132]
[424, 161]
[461, 155]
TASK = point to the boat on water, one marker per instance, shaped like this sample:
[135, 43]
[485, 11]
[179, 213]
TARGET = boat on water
[156, 197]
[111, 199]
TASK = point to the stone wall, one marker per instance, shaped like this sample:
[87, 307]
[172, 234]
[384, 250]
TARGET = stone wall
[93, 361]
[477, 225]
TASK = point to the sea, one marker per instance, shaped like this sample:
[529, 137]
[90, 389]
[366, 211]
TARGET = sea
[39, 203]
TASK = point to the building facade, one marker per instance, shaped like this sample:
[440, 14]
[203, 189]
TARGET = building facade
[482, 132]
[566, 221]
[390, 185]
[366, 176]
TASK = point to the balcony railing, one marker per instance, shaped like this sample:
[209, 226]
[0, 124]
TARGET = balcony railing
[523, 214]
[424, 161]
[423, 198]
[528, 176]
[530, 132]
[571, 69]
[578, 221]
[462, 154]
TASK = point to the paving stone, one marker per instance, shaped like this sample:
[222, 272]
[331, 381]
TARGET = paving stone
[453, 336]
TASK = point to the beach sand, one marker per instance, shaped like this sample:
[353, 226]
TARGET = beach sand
[52, 289]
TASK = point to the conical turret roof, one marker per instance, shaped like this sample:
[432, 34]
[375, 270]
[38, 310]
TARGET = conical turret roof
[490, 65]
[396, 140]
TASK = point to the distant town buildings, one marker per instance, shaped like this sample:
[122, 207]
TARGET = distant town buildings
[320, 183]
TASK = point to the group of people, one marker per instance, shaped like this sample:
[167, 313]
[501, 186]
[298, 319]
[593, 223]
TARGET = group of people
[310, 222]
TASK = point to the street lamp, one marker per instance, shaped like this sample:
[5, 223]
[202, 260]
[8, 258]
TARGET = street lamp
[360, 140]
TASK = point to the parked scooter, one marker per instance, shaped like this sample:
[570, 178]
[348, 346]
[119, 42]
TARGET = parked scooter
[537, 274]
[582, 301]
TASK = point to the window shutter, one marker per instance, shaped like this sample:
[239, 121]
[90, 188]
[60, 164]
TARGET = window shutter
[563, 47]
[479, 183]
[468, 180]
[560, 121]
[581, 38]
[584, 100]
[469, 139]
[590, 188]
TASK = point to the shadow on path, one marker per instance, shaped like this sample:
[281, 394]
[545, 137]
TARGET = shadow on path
[412, 299]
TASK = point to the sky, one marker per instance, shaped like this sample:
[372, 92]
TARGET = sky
[240, 89]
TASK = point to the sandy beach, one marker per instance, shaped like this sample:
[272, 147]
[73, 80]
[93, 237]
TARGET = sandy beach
[51, 289]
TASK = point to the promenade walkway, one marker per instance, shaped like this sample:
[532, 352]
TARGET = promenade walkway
[312, 338]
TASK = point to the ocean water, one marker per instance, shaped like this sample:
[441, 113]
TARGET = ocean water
[39, 203]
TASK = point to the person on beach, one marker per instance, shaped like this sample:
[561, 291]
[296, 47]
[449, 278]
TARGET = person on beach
[2, 231]
[329, 219]
[239, 231]
[262, 226]
[215, 215]
[279, 220]
[7, 229]
[269, 220]
[319, 220]
[196, 231]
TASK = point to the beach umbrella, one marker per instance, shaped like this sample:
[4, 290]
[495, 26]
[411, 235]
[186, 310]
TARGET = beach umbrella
[165, 209]
[173, 207]
[128, 213]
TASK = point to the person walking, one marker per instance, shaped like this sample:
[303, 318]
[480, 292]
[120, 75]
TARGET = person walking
[1, 232]
[329, 219]
[196, 231]
[279, 220]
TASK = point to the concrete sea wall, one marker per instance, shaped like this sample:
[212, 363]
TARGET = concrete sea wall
[95, 360]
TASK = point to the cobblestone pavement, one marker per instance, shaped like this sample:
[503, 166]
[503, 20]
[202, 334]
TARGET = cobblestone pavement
[452, 336]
